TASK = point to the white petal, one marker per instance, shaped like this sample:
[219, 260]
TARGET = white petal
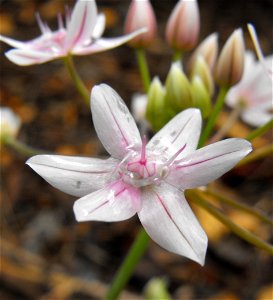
[170, 222]
[82, 23]
[103, 44]
[256, 116]
[99, 27]
[13, 43]
[77, 176]
[113, 122]
[117, 202]
[182, 131]
[208, 163]
[24, 57]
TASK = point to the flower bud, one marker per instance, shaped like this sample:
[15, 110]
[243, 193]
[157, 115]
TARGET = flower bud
[208, 49]
[139, 104]
[178, 89]
[156, 289]
[10, 124]
[141, 15]
[183, 26]
[230, 65]
[201, 69]
[155, 112]
[201, 97]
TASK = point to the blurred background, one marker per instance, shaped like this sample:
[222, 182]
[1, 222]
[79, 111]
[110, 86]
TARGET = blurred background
[45, 253]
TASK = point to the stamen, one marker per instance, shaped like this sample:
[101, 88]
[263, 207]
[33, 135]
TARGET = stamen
[173, 158]
[120, 163]
[60, 21]
[40, 23]
[67, 16]
[143, 150]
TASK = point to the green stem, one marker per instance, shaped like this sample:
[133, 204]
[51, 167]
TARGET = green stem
[257, 154]
[177, 55]
[214, 114]
[21, 147]
[143, 68]
[260, 131]
[241, 206]
[135, 253]
[238, 230]
[233, 117]
[76, 79]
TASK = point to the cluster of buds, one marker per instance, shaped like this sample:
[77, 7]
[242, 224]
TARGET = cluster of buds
[194, 88]
[177, 94]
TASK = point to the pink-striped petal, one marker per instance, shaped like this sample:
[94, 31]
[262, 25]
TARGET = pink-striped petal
[208, 163]
[103, 44]
[119, 201]
[13, 43]
[77, 176]
[82, 23]
[181, 133]
[170, 222]
[24, 57]
[113, 122]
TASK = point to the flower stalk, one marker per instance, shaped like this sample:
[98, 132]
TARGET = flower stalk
[240, 206]
[246, 235]
[124, 273]
[260, 131]
[21, 147]
[143, 68]
[233, 117]
[177, 55]
[68, 61]
[213, 117]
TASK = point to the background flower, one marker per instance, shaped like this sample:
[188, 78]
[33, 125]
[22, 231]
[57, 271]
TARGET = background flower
[254, 92]
[81, 37]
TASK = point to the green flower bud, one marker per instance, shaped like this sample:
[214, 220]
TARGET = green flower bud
[201, 97]
[178, 89]
[9, 124]
[201, 68]
[155, 111]
[156, 289]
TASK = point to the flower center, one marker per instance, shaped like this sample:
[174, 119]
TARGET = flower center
[141, 168]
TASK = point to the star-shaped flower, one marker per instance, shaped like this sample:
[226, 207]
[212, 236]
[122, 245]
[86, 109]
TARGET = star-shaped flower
[143, 178]
[82, 36]
[254, 92]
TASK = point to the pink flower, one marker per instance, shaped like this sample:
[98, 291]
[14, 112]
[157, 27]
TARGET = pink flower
[81, 36]
[254, 92]
[140, 15]
[143, 178]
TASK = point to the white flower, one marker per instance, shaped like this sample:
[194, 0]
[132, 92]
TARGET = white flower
[143, 178]
[81, 37]
[253, 92]
[9, 123]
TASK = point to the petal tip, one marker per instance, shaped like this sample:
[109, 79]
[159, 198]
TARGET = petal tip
[79, 212]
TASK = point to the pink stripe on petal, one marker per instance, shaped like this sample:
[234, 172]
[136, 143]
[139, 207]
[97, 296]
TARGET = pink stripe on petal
[208, 163]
